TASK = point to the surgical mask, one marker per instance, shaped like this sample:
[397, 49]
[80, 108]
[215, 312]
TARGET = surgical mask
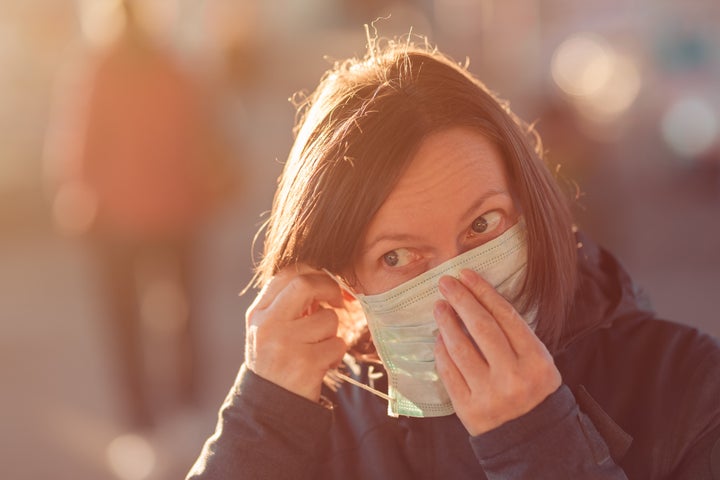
[404, 330]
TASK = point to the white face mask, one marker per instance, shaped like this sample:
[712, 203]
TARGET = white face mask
[404, 330]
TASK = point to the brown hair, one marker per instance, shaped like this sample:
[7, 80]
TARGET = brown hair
[357, 133]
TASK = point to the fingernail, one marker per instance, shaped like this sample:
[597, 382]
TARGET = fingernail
[468, 277]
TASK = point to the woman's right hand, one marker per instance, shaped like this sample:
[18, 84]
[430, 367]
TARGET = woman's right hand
[291, 330]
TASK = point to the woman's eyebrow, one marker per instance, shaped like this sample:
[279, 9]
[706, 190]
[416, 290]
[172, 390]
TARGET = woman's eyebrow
[471, 211]
[392, 237]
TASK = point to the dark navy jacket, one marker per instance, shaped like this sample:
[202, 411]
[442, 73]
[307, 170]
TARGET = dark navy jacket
[640, 399]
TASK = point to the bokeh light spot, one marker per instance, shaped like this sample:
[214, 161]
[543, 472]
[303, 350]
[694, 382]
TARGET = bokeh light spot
[131, 457]
[690, 126]
[601, 83]
[582, 64]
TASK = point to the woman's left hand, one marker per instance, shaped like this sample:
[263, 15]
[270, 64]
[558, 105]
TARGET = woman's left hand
[495, 369]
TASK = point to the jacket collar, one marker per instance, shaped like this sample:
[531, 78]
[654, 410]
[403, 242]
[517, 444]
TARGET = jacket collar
[605, 293]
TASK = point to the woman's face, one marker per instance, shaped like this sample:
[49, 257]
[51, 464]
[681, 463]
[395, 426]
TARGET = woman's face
[453, 197]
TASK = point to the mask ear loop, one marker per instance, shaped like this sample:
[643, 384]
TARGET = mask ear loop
[334, 375]
[340, 377]
[344, 286]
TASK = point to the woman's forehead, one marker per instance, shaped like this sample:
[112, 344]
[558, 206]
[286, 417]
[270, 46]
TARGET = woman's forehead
[449, 164]
[451, 170]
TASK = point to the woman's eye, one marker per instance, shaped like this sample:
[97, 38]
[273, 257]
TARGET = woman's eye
[397, 258]
[486, 223]
[391, 258]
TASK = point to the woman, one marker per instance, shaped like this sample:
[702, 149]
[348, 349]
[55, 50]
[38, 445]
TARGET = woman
[418, 240]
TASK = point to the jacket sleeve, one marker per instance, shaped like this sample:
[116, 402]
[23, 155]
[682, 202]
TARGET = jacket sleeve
[692, 448]
[554, 440]
[263, 432]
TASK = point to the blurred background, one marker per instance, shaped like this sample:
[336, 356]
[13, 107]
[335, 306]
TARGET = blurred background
[625, 95]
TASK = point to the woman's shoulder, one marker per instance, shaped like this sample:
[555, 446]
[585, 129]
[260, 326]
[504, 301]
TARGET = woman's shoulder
[658, 380]
[610, 308]
[643, 347]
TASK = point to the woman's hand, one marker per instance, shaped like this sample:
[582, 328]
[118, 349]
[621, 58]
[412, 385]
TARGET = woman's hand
[507, 374]
[291, 337]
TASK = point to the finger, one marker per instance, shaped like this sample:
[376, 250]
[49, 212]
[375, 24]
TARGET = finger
[317, 327]
[328, 353]
[482, 326]
[460, 347]
[278, 282]
[519, 335]
[302, 295]
[450, 375]
[271, 289]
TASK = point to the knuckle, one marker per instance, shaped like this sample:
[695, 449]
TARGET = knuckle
[464, 295]
[300, 283]
[465, 352]
[506, 309]
[483, 289]
[482, 324]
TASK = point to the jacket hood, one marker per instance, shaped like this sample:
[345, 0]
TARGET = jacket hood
[605, 293]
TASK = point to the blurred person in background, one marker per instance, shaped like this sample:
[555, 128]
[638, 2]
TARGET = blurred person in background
[420, 248]
[138, 169]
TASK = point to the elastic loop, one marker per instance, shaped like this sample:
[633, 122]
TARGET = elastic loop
[352, 381]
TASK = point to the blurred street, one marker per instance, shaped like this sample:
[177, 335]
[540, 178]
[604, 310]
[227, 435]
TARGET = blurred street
[59, 402]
